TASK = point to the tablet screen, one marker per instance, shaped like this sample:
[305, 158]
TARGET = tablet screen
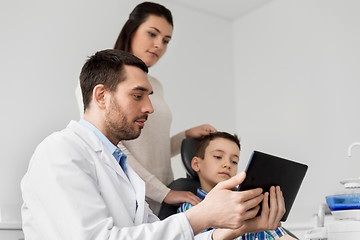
[265, 170]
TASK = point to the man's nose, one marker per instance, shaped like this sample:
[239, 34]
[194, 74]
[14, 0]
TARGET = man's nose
[147, 107]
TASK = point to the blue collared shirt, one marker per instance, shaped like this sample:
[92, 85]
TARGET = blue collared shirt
[114, 150]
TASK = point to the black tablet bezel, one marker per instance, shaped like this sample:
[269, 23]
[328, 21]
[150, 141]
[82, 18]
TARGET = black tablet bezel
[265, 170]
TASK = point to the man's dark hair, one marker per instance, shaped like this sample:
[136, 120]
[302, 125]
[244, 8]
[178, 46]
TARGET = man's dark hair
[205, 140]
[137, 17]
[106, 67]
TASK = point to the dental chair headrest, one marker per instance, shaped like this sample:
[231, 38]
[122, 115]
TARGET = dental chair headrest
[188, 148]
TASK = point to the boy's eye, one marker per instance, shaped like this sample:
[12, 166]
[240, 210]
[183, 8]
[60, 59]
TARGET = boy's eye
[217, 157]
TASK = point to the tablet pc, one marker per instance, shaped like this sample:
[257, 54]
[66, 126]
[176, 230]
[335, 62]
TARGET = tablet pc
[265, 170]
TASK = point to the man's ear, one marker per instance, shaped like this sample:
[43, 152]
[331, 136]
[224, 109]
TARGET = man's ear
[99, 96]
[195, 164]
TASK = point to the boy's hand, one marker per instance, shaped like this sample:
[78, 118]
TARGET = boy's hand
[178, 197]
[199, 131]
[270, 216]
[223, 208]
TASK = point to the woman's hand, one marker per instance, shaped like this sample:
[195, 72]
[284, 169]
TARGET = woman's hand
[178, 197]
[199, 131]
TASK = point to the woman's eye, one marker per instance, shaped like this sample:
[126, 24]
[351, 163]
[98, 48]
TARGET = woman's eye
[166, 41]
[235, 162]
[151, 34]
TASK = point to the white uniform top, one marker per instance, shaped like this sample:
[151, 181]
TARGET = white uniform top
[75, 189]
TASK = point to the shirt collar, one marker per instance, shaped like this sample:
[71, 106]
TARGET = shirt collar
[201, 193]
[119, 156]
[111, 147]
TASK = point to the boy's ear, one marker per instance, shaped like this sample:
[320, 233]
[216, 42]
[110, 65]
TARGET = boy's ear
[195, 164]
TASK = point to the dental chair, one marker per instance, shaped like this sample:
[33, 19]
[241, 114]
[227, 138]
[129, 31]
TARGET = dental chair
[190, 183]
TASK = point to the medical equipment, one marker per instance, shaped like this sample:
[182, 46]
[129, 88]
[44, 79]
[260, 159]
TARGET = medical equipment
[345, 213]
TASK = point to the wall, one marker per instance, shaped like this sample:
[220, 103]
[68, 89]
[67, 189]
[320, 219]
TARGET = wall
[44, 45]
[297, 90]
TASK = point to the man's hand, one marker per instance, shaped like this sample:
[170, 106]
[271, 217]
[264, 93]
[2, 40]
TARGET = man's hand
[268, 220]
[199, 131]
[223, 208]
[178, 197]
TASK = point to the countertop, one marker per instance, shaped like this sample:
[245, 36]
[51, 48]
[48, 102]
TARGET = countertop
[10, 225]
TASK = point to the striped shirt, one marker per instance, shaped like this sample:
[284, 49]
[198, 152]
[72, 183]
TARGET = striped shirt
[266, 235]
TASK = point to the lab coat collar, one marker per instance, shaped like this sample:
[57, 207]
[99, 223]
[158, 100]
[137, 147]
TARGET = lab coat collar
[86, 135]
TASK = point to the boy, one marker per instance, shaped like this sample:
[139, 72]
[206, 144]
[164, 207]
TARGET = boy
[216, 160]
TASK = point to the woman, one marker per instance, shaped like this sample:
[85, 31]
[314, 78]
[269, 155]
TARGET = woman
[146, 34]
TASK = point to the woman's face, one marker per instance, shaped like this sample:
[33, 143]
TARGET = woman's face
[150, 41]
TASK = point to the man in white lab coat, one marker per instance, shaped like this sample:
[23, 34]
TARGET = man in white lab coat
[79, 187]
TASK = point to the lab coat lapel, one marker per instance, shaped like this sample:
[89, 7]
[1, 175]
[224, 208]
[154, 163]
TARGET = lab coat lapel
[137, 183]
[139, 187]
[94, 142]
[110, 160]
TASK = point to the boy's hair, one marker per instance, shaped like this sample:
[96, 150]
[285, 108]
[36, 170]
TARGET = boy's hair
[205, 140]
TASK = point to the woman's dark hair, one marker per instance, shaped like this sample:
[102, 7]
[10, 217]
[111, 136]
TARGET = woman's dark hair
[137, 17]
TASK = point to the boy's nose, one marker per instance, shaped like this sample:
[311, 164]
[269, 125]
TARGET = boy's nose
[226, 165]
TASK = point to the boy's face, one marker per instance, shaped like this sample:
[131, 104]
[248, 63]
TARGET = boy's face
[219, 164]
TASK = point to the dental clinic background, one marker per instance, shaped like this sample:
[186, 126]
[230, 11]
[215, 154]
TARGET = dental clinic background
[284, 76]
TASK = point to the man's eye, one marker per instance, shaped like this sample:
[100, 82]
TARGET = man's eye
[137, 96]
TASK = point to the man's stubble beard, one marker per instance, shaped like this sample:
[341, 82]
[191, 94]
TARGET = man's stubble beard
[118, 126]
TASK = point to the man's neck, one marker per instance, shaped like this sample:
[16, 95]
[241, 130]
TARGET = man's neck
[100, 125]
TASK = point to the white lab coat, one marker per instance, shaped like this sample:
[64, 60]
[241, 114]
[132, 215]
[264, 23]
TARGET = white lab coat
[75, 189]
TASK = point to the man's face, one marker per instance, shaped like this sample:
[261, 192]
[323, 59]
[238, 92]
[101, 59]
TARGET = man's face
[128, 107]
[219, 164]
